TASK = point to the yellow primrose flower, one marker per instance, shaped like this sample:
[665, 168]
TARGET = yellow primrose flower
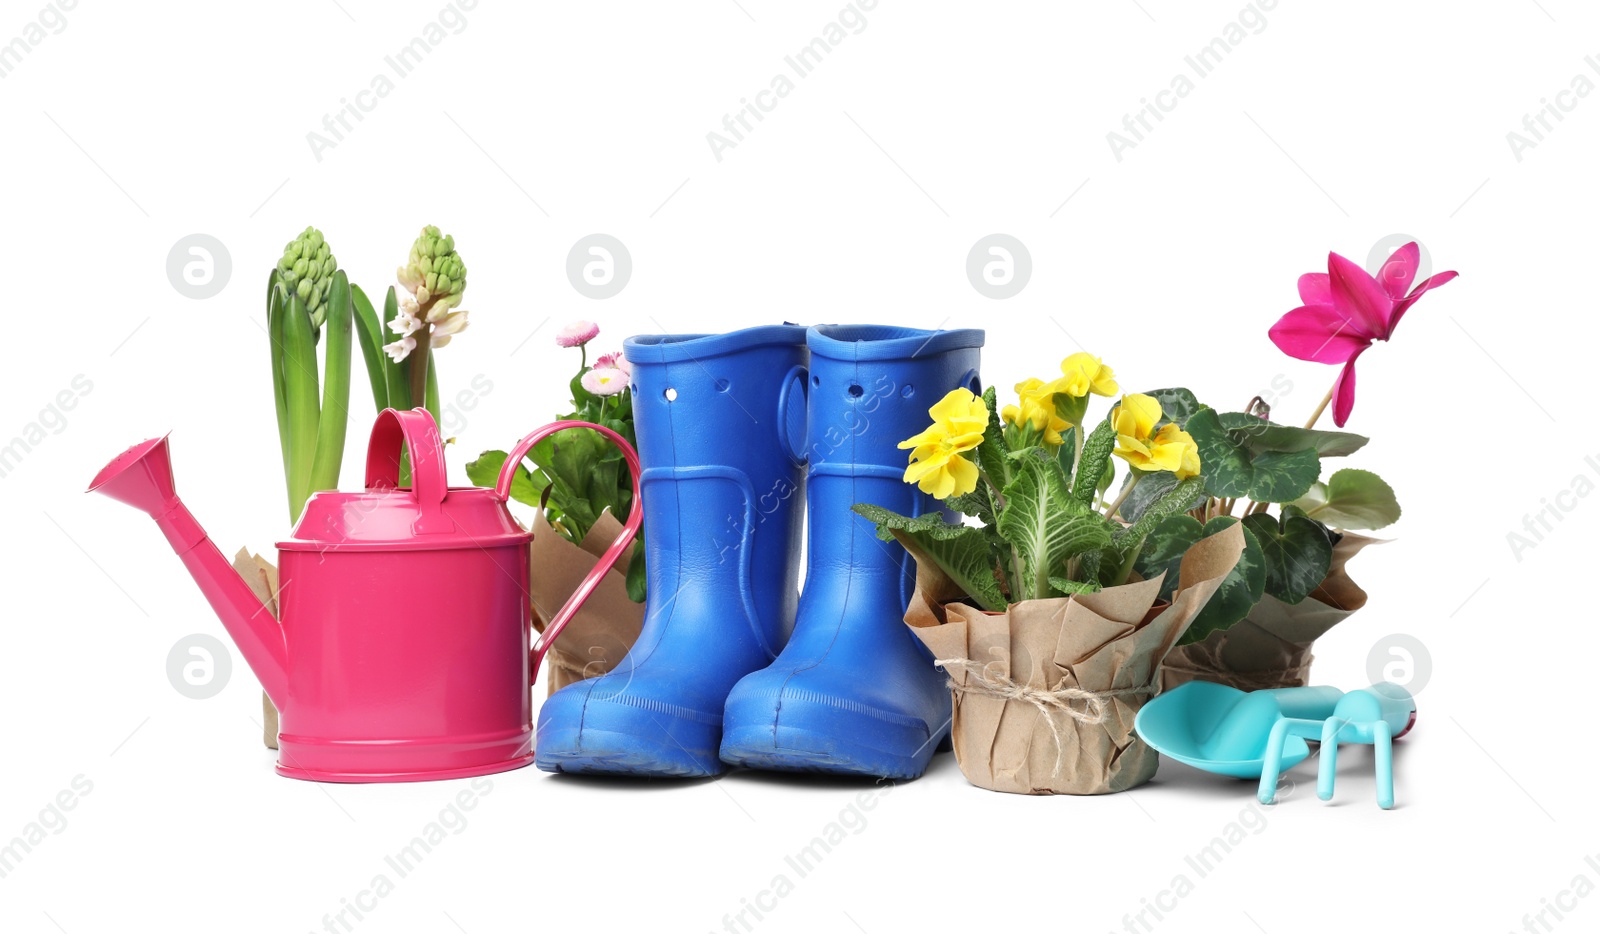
[936, 466]
[1145, 447]
[1037, 410]
[1083, 373]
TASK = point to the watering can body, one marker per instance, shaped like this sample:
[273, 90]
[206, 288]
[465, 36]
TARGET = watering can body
[403, 649]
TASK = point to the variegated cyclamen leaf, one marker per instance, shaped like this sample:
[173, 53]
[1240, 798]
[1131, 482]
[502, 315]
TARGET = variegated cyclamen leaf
[1177, 405]
[1241, 590]
[1297, 552]
[1259, 435]
[1352, 499]
[1231, 470]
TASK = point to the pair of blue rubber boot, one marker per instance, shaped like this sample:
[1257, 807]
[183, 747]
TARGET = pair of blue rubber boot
[737, 432]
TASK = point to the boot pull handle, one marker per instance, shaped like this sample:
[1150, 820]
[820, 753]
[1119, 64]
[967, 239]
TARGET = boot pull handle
[502, 489]
[792, 427]
[415, 430]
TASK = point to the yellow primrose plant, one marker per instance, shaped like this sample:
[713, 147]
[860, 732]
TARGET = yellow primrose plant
[1031, 478]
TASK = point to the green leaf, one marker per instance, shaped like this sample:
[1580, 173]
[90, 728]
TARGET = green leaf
[1092, 465]
[992, 452]
[300, 400]
[371, 341]
[1297, 552]
[1352, 499]
[1171, 503]
[485, 472]
[1153, 486]
[277, 303]
[975, 504]
[1067, 587]
[430, 390]
[329, 456]
[395, 374]
[1177, 405]
[1241, 590]
[961, 551]
[636, 579]
[1259, 436]
[1231, 471]
[1044, 525]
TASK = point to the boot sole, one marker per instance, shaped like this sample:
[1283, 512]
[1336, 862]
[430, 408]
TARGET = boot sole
[600, 752]
[787, 749]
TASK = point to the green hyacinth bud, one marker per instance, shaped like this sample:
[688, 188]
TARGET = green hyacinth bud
[307, 267]
[434, 265]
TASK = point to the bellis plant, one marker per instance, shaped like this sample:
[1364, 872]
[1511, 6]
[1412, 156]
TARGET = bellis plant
[1038, 524]
[575, 476]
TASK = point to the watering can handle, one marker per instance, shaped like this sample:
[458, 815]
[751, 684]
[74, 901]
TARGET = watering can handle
[502, 489]
[415, 429]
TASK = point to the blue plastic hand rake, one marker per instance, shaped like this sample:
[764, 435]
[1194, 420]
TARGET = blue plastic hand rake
[1376, 715]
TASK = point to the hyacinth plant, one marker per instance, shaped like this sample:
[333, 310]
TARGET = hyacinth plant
[309, 302]
[576, 476]
[422, 313]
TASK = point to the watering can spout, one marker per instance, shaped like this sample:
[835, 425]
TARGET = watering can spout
[142, 478]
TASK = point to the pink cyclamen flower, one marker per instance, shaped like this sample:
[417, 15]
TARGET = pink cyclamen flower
[1346, 310]
[577, 334]
[604, 381]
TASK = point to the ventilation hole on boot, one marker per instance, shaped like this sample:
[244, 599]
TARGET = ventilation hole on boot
[816, 381]
[906, 391]
[856, 390]
[634, 388]
[671, 395]
[722, 385]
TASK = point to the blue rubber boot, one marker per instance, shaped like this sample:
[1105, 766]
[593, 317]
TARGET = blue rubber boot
[720, 421]
[854, 691]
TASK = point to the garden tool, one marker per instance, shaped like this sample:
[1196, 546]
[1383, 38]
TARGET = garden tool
[720, 420]
[855, 691]
[403, 649]
[1222, 729]
[1377, 715]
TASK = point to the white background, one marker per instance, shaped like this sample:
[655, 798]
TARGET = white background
[856, 200]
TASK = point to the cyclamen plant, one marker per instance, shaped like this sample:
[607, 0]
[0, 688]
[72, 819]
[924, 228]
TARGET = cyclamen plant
[576, 476]
[1043, 527]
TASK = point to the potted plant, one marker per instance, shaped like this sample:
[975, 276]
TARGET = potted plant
[1034, 607]
[578, 484]
[312, 305]
[1303, 526]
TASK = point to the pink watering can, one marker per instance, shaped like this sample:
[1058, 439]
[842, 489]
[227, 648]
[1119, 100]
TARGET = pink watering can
[402, 654]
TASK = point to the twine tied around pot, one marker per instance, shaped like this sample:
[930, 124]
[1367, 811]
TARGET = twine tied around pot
[987, 680]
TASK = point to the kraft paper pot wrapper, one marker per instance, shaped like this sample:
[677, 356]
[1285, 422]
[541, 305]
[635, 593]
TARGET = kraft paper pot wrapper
[607, 624]
[1271, 648]
[262, 576]
[1044, 694]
